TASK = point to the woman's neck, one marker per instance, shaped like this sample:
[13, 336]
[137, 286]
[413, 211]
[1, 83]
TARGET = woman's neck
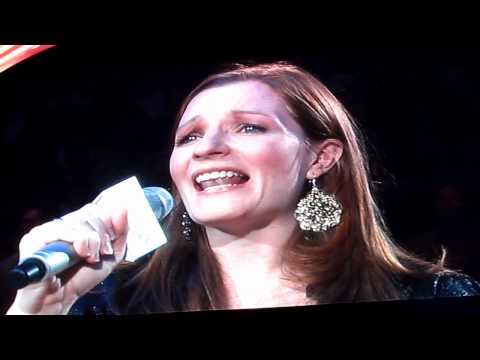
[252, 266]
[258, 249]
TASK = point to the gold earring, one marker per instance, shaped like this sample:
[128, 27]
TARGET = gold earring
[318, 211]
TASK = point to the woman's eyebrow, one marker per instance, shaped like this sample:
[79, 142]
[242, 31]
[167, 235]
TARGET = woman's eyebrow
[233, 112]
[250, 112]
[192, 119]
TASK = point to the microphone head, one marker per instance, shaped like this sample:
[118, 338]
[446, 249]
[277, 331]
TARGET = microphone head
[160, 200]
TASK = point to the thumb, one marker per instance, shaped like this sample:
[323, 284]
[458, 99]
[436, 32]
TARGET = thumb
[120, 222]
[120, 227]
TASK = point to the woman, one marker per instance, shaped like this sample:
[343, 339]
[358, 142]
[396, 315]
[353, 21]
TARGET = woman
[274, 208]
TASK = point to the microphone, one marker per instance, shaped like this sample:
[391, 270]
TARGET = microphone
[59, 255]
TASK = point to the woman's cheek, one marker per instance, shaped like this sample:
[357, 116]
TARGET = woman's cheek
[178, 167]
[278, 152]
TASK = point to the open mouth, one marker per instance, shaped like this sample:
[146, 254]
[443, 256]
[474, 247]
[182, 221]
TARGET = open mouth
[219, 179]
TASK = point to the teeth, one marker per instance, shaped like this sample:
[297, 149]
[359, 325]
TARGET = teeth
[216, 175]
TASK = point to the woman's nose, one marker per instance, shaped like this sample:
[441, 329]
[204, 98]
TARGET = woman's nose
[211, 145]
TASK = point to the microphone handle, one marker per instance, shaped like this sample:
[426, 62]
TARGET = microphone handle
[45, 263]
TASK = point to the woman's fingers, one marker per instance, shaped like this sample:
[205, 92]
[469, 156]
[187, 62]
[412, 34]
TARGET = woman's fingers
[118, 222]
[92, 234]
[102, 226]
[89, 245]
[90, 217]
[41, 235]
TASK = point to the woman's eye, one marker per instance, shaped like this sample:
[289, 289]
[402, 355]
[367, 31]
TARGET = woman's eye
[251, 128]
[244, 128]
[186, 139]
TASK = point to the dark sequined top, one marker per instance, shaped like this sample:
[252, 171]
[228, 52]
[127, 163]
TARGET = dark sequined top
[446, 285]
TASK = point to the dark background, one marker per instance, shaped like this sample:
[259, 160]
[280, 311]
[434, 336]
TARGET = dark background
[75, 120]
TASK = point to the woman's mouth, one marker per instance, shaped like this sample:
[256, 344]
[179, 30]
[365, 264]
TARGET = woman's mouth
[219, 180]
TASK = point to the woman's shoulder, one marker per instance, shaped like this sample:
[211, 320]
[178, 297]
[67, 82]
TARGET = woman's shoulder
[443, 284]
[455, 284]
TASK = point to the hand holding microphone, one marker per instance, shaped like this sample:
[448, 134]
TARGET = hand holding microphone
[92, 243]
[55, 296]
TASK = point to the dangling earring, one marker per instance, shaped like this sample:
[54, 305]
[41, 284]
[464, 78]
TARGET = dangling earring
[187, 226]
[318, 211]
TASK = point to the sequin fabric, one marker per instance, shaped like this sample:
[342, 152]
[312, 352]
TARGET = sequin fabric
[455, 285]
[98, 302]
[447, 284]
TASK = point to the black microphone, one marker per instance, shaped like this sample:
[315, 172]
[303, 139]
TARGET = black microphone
[58, 256]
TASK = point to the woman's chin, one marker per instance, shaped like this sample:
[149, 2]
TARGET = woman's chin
[221, 219]
[218, 219]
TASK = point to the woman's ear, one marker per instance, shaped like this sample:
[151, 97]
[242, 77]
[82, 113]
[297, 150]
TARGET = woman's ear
[328, 153]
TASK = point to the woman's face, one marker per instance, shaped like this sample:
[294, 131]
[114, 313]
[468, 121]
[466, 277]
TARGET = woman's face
[239, 158]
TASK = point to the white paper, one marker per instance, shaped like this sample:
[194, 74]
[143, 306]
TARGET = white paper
[144, 231]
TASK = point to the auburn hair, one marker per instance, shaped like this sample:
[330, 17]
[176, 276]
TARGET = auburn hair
[355, 261]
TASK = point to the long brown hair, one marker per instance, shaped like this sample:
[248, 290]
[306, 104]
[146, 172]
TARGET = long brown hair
[357, 260]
